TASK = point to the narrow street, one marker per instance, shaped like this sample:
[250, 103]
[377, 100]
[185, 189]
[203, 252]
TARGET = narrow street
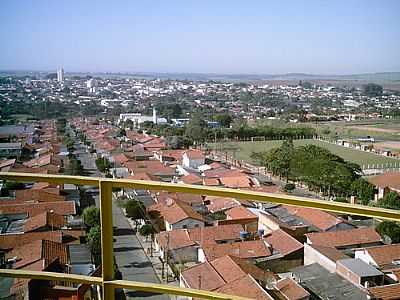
[130, 257]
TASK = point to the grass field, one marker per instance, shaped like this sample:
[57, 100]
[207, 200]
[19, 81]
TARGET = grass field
[243, 150]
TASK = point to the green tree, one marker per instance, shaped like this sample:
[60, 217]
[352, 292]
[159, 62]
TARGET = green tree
[224, 119]
[391, 200]
[195, 129]
[373, 90]
[389, 229]
[134, 210]
[94, 241]
[363, 190]
[91, 216]
[147, 230]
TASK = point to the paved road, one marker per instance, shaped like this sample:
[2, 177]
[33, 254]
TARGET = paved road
[131, 258]
[129, 254]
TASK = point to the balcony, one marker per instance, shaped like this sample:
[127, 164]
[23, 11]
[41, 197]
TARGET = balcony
[107, 282]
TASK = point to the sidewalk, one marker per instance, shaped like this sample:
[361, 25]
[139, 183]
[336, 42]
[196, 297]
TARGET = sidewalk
[154, 257]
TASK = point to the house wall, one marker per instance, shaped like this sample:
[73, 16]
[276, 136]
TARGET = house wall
[313, 256]
[186, 254]
[347, 274]
[364, 256]
[187, 223]
[192, 163]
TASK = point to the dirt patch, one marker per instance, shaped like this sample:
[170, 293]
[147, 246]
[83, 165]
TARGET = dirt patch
[370, 128]
[390, 145]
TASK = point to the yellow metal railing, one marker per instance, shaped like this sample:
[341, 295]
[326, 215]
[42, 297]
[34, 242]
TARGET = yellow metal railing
[105, 186]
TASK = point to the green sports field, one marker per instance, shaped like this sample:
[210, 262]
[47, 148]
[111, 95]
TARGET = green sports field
[243, 150]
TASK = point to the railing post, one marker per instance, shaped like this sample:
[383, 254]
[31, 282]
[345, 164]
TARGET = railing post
[107, 255]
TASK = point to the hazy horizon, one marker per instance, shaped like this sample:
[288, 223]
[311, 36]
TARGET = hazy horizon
[207, 37]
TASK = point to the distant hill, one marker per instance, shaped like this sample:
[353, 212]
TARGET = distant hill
[374, 77]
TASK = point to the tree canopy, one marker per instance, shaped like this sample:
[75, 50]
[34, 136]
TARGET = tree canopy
[91, 216]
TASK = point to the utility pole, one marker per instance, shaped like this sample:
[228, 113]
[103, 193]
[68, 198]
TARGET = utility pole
[167, 258]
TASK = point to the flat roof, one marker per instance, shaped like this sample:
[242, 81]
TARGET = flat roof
[328, 286]
[359, 267]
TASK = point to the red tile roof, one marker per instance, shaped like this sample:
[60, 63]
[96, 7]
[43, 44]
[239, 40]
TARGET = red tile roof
[240, 212]
[242, 181]
[385, 254]
[211, 182]
[212, 234]
[220, 203]
[120, 158]
[283, 242]
[62, 208]
[320, 219]
[177, 211]
[194, 154]
[9, 241]
[341, 238]
[203, 276]
[245, 286]
[38, 195]
[291, 290]
[38, 250]
[386, 292]
[175, 239]
[192, 179]
[391, 180]
[44, 220]
[246, 249]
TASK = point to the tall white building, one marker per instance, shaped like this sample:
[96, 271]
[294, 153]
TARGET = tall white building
[60, 75]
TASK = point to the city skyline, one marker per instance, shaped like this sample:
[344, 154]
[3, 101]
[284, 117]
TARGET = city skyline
[338, 38]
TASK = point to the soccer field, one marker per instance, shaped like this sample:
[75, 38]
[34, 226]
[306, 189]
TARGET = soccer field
[244, 150]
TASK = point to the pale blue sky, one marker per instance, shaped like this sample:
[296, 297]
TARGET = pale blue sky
[325, 37]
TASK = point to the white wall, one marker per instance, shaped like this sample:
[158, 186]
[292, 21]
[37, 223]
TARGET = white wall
[313, 256]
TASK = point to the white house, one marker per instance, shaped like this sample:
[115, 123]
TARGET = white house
[193, 159]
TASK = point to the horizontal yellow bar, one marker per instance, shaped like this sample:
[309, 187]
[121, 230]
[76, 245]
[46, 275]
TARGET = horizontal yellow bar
[337, 207]
[138, 286]
[51, 178]
[169, 289]
[50, 276]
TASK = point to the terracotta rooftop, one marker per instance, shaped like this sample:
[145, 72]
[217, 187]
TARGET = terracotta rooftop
[64, 208]
[194, 154]
[245, 286]
[386, 292]
[384, 255]
[318, 218]
[242, 181]
[220, 203]
[178, 238]
[283, 242]
[211, 182]
[245, 249]
[231, 268]
[291, 290]
[179, 211]
[212, 234]
[341, 238]
[43, 220]
[37, 250]
[203, 276]
[240, 212]
[39, 195]
[9, 241]
[192, 179]
[391, 180]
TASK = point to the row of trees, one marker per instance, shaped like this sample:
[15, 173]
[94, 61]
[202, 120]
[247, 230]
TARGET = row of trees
[197, 131]
[318, 168]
